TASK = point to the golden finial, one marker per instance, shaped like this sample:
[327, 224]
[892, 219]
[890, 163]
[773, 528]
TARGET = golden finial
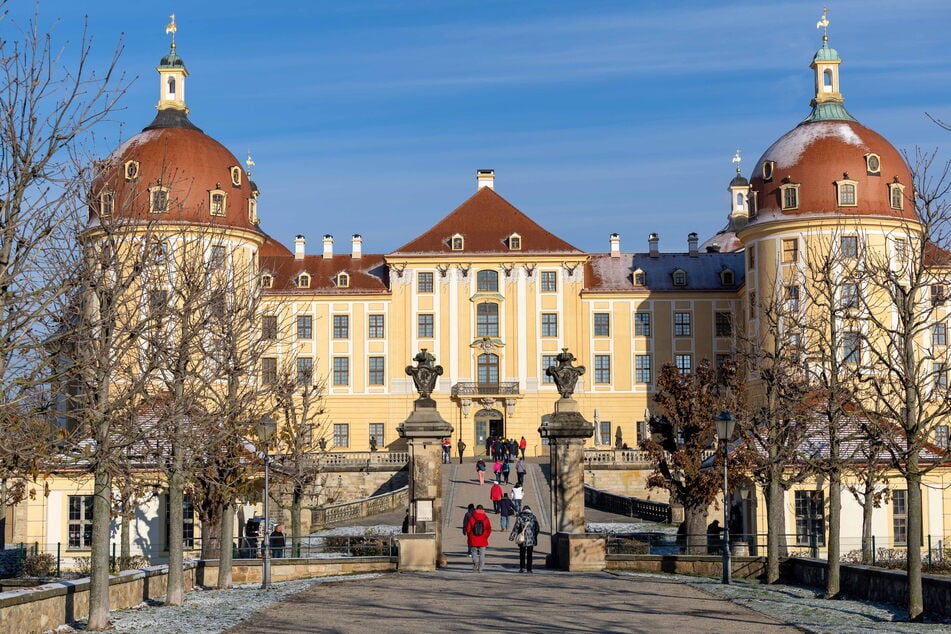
[824, 24]
[250, 163]
[171, 28]
[737, 160]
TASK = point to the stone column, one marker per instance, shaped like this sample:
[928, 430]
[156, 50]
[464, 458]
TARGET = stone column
[424, 430]
[566, 431]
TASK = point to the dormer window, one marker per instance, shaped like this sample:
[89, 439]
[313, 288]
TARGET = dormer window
[107, 203]
[768, 168]
[343, 280]
[303, 280]
[873, 164]
[789, 195]
[680, 277]
[267, 280]
[236, 176]
[456, 243]
[896, 195]
[640, 278]
[515, 242]
[847, 192]
[216, 202]
[727, 277]
[158, 199]
[131, 170]
[252, 211]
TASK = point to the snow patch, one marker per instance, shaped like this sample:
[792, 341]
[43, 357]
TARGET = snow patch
[787, 151]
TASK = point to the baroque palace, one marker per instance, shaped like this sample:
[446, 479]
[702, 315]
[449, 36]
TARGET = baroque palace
[495, 296]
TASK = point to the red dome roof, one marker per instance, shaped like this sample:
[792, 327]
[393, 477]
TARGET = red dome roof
[815, 155]
[187, 162]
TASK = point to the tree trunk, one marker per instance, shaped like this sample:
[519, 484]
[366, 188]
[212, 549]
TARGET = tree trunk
[225, 579]
[125, 533]
[868, 507]
[915, 593]
[695, 520]
[99, 558]
[834, 545]
[774, 527]
[175, 594]
[211, 532]
[297, 500]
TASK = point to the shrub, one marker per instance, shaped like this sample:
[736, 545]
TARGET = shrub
[82, 566]
[39, 565]
[134, 562]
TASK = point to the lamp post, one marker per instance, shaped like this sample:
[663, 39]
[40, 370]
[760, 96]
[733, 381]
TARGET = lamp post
[266, 428]
[725, 423]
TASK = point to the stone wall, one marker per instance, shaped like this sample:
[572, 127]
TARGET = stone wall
[868, 583]
[622, 479]
[696, 565]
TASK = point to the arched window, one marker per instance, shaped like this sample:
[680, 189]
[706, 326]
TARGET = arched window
[739, 201]
[896, 195]
[680, 277]
[827, 80]
[487, 320]
[847, 191]
[487, 281]
[171, 87]
[343, 280]
[457, 243]
[488, 369]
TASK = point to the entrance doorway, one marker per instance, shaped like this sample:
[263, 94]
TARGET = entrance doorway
[488, 422]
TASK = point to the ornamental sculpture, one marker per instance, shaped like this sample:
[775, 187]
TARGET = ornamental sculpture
[565, 375]
[425, 373]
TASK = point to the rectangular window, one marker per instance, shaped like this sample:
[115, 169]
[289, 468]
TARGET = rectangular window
[901, 250]
[602, 368]
[487, 319]
[851, 348]
[217, 204]
[941, 437]
[377, 373]
[268, 371]
[548, 360]
[642, 368]
[341, 434]
[549, 325]
[217, 257]
[681, 324]
[849, 246]
[188, 521]
[722, 358]
[159, 201]
[605, 432]
[269, 327]
[80, 521]
[341, 326]
[305, 327]
[939, 334]
[792, 298]
[549, 281]
[305, 371]
[937, 294]
[424, 326]
[341, 370]
[424, 282]
[376, 327]
[791, 250]
[376, 435]
[847, 194]
[810, 518]
[790, 196]
[602, 324]
[723, 324]
[684, 363]
[850, 295]
[642, 324]
[900, 516]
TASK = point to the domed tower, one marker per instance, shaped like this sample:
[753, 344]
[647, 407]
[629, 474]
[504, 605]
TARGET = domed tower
[828, 190]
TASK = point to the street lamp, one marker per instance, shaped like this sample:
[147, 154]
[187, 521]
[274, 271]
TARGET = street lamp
[266, 428]
[725, 423]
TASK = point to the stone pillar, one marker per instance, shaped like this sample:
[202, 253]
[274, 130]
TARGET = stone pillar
[424, 430]
[566, 431]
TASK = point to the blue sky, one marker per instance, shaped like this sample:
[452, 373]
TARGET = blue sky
[373, 116]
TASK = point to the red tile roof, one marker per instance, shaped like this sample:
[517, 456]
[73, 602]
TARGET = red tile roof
[368, 274]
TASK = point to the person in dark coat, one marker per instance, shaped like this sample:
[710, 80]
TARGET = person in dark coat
[277, 541]
[506, 510]
[525, 534]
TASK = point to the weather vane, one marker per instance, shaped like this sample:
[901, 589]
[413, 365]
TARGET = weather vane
[171, 29]
[737, 160]
[249, 163]
[824, 25]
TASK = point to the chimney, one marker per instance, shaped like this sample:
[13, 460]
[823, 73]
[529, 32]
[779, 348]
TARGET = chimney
[357, 247]
[328, 246]
[692, 244]
[299, 247]
[653, 241]
[615, 245]
[485, 178]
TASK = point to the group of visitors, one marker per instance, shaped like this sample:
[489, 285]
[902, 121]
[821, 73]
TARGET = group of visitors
[502, 470]
[477, 528]
[505, 449]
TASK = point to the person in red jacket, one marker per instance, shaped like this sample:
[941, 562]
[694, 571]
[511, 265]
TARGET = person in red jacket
[495, 494]
[478, 530]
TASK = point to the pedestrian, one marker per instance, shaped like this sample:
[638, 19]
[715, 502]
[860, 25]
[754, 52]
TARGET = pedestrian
[525, 534]
[495, 494]
[461, 446]
[480, 469]
[517, 494]
[446, 451]
[497, 470]
[522, 445]
[520, 471]
[465, 523]
[405, 528]
[506, 469]
[488, 446]
[477, 537]
[506, 510]
[277, 541]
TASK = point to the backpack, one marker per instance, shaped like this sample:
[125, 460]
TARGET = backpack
[480, 466]
[478, 527]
